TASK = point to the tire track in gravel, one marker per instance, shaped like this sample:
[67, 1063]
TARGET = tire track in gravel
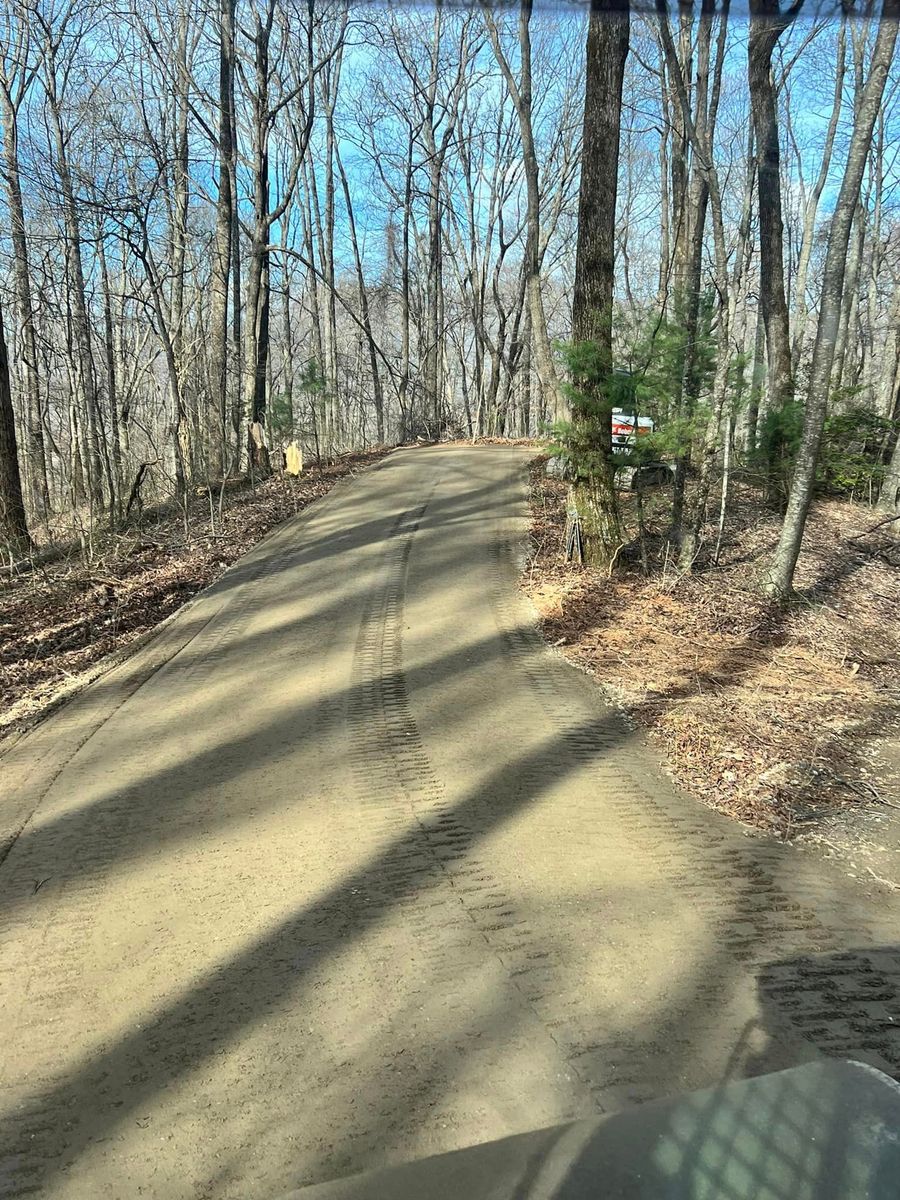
[832, 982]
[436, 872]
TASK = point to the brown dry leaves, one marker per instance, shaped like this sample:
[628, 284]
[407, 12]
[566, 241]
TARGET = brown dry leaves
[766, 714]
[57, 622]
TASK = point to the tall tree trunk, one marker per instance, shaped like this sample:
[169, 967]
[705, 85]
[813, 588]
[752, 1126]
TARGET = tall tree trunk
[781, 577]
[179, 231]
[889, 496]
[403, 388]
[288, 354]
[697, 122]
[325, 329]
[181, 438]
[696, 206]
[81, 326]
[256, 316]
[766, 27]
[593, 494]
[258, 299]
[13, 529]
[800, 311]
[665, 250]
[325, 225]
[34, 416]
[221, 261]
[433, 335]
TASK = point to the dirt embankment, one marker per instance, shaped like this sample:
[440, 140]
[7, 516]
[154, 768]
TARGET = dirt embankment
[773, 716]
[59, 621]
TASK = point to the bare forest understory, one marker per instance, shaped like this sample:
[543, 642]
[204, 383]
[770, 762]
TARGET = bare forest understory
[60, 621]
[776, 716]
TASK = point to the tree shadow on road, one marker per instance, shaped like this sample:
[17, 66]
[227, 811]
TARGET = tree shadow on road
[121, 1082]
[748, 890]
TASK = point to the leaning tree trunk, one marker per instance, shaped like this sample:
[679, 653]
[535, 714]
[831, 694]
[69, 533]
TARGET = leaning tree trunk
[256, 319]
[781, 576]
[694, 110]
[593, 496]
[13, 529]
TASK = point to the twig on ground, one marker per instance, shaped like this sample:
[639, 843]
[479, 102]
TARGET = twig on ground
[865, 533]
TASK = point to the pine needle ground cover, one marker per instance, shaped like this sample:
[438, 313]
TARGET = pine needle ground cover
[772, 715]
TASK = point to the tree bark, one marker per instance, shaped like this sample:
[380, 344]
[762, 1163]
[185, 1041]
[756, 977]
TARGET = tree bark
[699, 130]
[889, 498]
[811, 208]
[256, 317]
[593, 495]
[757, 375]
[521, 96]
[694, 125]
[850, 303]
[112, 404]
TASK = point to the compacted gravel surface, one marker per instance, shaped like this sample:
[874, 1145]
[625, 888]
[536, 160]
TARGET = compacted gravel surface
[346, 867]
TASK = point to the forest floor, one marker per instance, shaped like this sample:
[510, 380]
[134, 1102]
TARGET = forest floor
[60, 621]
[778, 717]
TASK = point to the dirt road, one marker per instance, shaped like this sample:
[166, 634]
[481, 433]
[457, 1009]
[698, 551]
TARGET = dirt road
[347, 867]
